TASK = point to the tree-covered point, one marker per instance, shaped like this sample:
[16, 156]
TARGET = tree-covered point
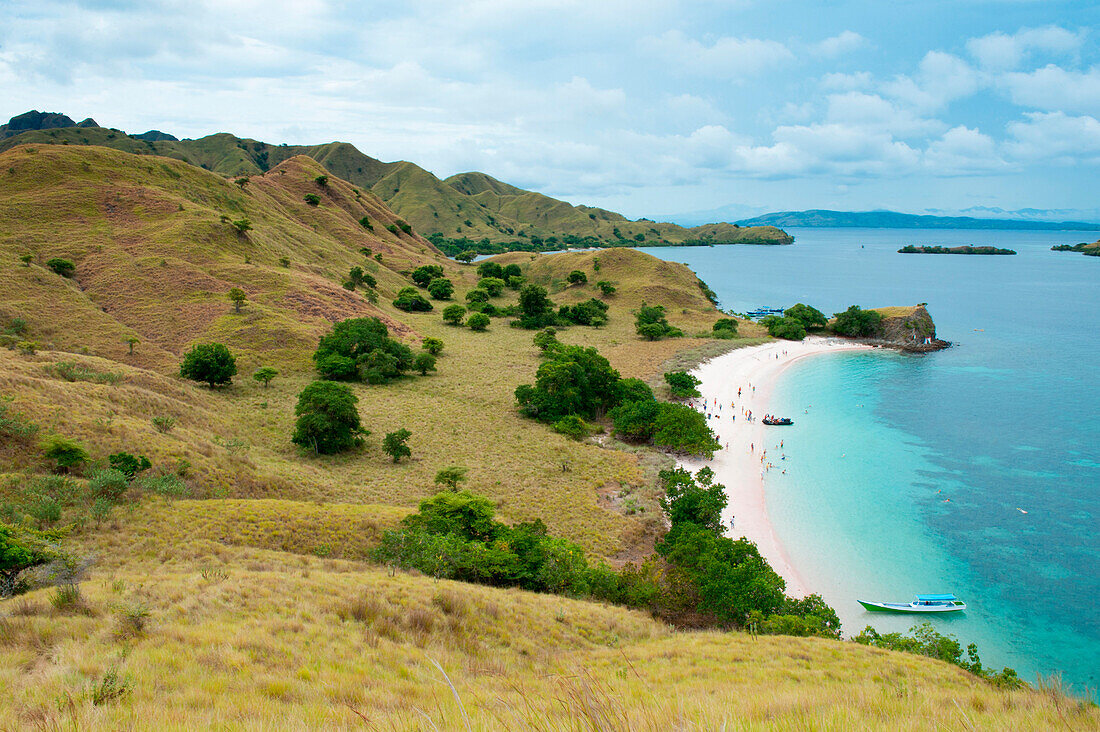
[810, 317]
[857, 322]
[411, 301]
[925, 640]
[682, 385]
[360, 349]
[209, 363]
[423, 275]
[328, 420]
[790, 329]
[651, 323]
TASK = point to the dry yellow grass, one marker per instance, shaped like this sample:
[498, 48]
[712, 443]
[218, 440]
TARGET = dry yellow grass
[249, 639]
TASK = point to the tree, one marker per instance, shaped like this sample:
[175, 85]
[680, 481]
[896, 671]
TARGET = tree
[21, 548]
[242, 226]
[210, 363]
[789, 328]
[424, 362]
[366, 224]
[356, 277]
[478, 321]
[606, 288]
[453, 314]
[63, 267]
[238, 298]
[394, 444]
[490, 269]
[636, 420]
[312, 199]
[477, 295]
[265, 375]
[724, 328]
[574, 380]
[26, 259]
[679, 428]
[424, 274]
[682, 384]
[433, 346]
[129, 465]
[241, 182]
[66, 452]
[509, 271]
[411, 301]
[321, 180]
[572, 427]
[693, 499]
[810, 318]
[651, 323]
[466, 257]
[857, 322]
[451, 476]
[441, 288]
[328, 420]
[546, 339]
[131, 341]
[493, 285]
[576, 277]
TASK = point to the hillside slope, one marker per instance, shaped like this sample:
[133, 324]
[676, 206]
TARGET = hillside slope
[452, 208]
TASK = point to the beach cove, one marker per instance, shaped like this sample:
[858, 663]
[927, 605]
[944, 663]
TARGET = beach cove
[750, 449]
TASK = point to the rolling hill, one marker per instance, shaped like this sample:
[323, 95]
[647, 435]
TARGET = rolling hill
[470, 205]
[244, 597]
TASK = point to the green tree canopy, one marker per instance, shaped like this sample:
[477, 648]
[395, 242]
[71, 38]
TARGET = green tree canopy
[209, 363]
[787, 328]
[857, 322]
[328, 420]
[411, 301]
[423, 275]
[20, 549]
[492, 285]
[264, 375]
[574, 380]
[394, 444]
[434, 346]
[441, 288]
[490, 269]
[451, 476]
[453, 314]
[238, 297]
[357, 348]
[811, 318]
[679, 428]
[478, 321]
[576, 277]
[682, 385]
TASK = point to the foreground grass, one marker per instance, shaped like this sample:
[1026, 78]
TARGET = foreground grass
[250, 639]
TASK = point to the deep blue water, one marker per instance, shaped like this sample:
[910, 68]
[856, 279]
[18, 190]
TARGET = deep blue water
[941, 450]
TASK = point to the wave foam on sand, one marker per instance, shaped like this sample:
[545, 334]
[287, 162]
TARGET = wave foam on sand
[738, 464]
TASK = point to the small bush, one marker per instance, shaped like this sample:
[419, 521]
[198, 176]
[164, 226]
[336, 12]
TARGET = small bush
[169, 485]
[63, 267]
[572, 426]
[67, 453]
[394, 444]
[128, 464]
[109, 484]
[433, 346]
[163, 423]
[576, 277]
[478, 321]
[606, 288]
[321, 180]
[210, 363]
[411, 301]
[72, 371]
[682, 385]
[111, 687]
[453, 314]
[312, 199]
[424, 362]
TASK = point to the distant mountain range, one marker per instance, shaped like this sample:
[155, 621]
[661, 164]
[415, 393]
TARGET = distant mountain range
[896, 220]
[468, 206]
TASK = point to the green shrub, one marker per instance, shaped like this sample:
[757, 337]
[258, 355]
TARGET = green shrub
[724, 328]
[682, 385]
[478, 321]
[492, 285]
[810, 318]
[453, 314]
[424, 275]
[264, 375]
[490, 269]
[546, 339]
[651, 324]
[110, 484]
[477, 295]
[321, 180]
[424, 362]
[163, 423]
[441, 288]
[128, 464]
[573, 380]
[394, 444]
[576, 277]
[411, 301]
[857, 322]
[312, 199]
[72, 371]
[361, 349]
[679, 428]
[787, 328]
[433, 346]
[209, 363]
[67, 453]
[451, 476]
[63, 267]
[327, 418]
[606, 288]
[572, 426]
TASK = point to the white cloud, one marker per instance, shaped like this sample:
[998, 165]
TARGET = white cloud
[1053, 88]
[858, 109]
[847, 82]
[1055, 137]
[845, 42]
[828, 149]
[963, 151]
[940, 79]
[726, 57]
[1001, 52]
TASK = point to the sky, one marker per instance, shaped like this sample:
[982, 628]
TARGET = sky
[649, 107]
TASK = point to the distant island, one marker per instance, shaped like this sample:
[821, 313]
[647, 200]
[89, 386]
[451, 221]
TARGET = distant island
[910, 249]
[896, 220]
[1089, 250]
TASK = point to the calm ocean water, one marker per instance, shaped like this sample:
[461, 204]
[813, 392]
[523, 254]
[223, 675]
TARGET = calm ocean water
[910, 474]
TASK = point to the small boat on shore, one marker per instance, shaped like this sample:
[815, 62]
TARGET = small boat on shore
[779, 421]
[923, 604]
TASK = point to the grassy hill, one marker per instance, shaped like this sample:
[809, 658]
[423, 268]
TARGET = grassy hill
[469, 205]
[243, 599]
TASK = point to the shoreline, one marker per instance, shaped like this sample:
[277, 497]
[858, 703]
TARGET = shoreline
[739, 466]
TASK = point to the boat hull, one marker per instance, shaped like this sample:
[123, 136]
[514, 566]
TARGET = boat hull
[910, 609]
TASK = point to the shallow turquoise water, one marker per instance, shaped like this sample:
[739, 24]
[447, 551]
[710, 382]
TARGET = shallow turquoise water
[1006, 419]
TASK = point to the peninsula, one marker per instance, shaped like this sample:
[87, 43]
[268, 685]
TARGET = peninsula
[1089, 250]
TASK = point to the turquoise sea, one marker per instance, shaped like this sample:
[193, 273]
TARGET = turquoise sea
[910, 474]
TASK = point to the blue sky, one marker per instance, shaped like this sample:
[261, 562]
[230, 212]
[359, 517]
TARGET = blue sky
[650, 107]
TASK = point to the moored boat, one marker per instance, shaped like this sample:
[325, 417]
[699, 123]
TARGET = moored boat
[778, 421]
[923, 604]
